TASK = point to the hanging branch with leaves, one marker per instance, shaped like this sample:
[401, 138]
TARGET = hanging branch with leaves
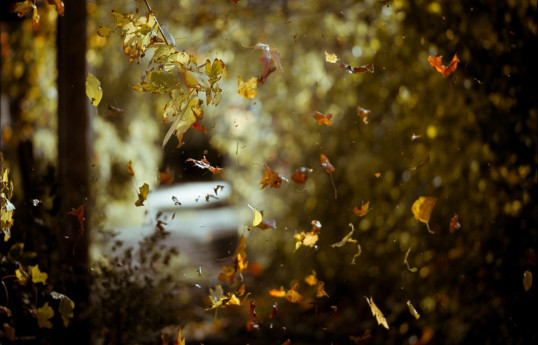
[171, 72]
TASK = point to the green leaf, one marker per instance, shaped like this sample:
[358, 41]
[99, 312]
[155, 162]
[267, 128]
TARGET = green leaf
[93, 89]
[161, 82]
[66, 307]
[143, 195]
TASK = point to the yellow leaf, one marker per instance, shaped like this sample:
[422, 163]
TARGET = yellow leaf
[257, 218]
[103, 31]
[293, 296]
[377, 313]
[22, 275]
[246, 89]
[412, 310]
[332, 58]
[43, 315]
[278, 293]
[422, 209]
[38, 276]
[66, 307]
[143, 195]
[93, 89]
[179, 340]
[311, 279]
[527, 280]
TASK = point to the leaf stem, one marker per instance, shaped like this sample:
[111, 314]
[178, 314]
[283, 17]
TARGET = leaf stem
[160, 27]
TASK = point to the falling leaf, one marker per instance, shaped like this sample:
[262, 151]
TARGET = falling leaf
[311, 279]
[252, 308]
[38, 276]
[412, 310]
[267, 224]
[197, 126]
[21, 7]
[278, 293]
[274, 311]
[326, 164]
[59, 6]
[66, 307]
[257, 218]
[22, 276]
[43, 315]
[423, 163]
[180, 341]
[293, 296]
[246, 89]
[320, 290]
[103, 31]
[270, 60]
[377, 313]
[300, 175]
[415, 137]
[219, 299]
[435, 62]
[93, 89]
[346, 239]
[332, 58]
[272, 178]
[454, 223]
[412, 269]
[204, 164]
[79, 214]
[229, 273]
[357, 70]
[359, 251]
[130, 170]
[35, 19]
[166, 176]
[422, 209]
[365, 208]
[363, 114]
[323, 119]
[143, 195]
[377, 174]
[527, 280]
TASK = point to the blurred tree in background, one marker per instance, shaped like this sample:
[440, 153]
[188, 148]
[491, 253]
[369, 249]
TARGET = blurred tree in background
[469, 140]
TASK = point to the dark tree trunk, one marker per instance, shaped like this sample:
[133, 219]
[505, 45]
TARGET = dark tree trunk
[73, 160]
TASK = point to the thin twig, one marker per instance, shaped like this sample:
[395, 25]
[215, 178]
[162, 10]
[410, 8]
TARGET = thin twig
[160, 27]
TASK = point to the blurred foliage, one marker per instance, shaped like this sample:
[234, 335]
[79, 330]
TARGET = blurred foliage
[468, 140]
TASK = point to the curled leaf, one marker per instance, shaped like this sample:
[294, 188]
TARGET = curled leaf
[411, 269]
[323, 119]
[422, 209]
[363, 114]
[204, 164]
[435, 62]
[363, 210]
[272, 178]
[346, 239]
[412, 310]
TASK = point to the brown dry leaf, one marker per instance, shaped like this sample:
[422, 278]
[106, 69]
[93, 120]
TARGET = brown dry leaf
[246, 88]
[412, 310]
[204, 164]
[326, 164]
[454, 223]
[358, 69]
[435, 62]
[300, 175]
[527, 280]
[272, 178]
[377, 313]
[320, 290]
[363, 210]
[323, 119]
[363, 114]
[130, 170]
[166, 176]
[422, 209]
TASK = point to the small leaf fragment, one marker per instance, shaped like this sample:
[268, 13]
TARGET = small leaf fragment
[323, 119]
[311, 279]
[412, 310]
[130, 170]
[321, 290]
[346, 239]
[300, 175]
[331, 58]
[104, 31]
[435, 62]
[363, 114]
[93, 89]
[142, 195]
[411, 269]
[527, 280]
[454, 223]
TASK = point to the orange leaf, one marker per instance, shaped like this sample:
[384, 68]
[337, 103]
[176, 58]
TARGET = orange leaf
[311, 279]
[293, 296]
[272, 178]
[278, 293]
[454, 223]
[363, 210]
[166, 177]
[130, 170]
[199, 127]
[204, 164]
[300, 175]
[323, 119]
[435, 62]
[326, 164]
[320, 290]
[363, 114]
